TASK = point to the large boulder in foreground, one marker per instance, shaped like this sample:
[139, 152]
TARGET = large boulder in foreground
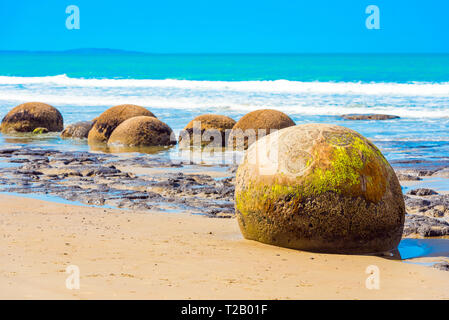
[208, 127]
[255, 124]
[77, 130]
[142, 131]
[31, 115]
[322, 188]
[111, 118]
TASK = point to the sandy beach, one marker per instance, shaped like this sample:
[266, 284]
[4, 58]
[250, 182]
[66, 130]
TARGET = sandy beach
[201, 151]
[127, 254]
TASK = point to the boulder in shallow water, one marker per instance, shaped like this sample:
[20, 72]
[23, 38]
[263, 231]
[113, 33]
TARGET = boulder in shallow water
[321, 188]
[256, 124]
[142, 131]
[369, 117]
[31, 115]
[111, 119]
[210, 127]
[79, 130]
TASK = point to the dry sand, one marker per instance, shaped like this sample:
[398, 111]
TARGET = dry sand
[137, 255]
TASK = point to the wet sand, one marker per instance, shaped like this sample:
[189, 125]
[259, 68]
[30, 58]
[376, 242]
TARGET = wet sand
[133, 254]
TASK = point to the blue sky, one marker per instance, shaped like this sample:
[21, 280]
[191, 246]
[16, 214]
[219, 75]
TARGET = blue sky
[231, 26]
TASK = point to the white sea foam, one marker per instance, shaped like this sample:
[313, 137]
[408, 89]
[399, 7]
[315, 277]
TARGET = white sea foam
[415, 100]
[373, 88]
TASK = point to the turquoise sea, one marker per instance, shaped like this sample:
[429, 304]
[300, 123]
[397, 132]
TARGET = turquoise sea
[309, 88]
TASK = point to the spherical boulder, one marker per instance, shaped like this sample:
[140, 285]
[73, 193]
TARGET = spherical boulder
[77, 130]
[256, 124]
[31, 115]
[111, 119]
[321, 188]
[142, 131]
[210, 130]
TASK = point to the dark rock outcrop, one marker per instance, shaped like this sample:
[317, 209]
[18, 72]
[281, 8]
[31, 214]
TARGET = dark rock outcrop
[369, 117]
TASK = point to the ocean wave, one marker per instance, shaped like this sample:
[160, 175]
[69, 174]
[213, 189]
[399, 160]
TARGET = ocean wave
[413, 100]
[224, 107]
[274, 86]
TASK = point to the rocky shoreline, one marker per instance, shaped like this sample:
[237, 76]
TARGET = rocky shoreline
[144, 183]
[103, 180]
[428, 210]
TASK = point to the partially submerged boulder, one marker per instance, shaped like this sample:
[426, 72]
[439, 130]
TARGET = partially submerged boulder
[78, 130]
[319, 187]
[206, 129]
[370, 116]
[256, 124]
[31, 115]
[142, 131]
[111, 119]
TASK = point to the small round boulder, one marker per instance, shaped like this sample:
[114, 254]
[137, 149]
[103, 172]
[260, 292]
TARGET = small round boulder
[111, 119]
[31, 115]
[210, 128]
[321, 188]
[77, 130]
[256, 124]
[142, 131]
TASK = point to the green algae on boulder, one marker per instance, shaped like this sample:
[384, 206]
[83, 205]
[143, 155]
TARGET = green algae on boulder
[40, 130]
[142, 131]
[322, 188]
[111, 118]
[31, 115]
[256, 124]
[210, 128]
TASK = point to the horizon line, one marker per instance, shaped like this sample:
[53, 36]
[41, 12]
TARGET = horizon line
[115, 51]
